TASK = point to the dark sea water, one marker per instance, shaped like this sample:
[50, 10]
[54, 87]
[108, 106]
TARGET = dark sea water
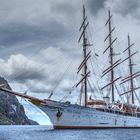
[43, 133]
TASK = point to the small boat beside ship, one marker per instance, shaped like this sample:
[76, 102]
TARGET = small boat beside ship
[107, 112]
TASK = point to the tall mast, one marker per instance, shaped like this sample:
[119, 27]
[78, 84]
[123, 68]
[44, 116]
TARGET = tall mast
[131, 70]
[111, 56]
[85, 53]
[83, 66]
[113, 64]
[131, 74]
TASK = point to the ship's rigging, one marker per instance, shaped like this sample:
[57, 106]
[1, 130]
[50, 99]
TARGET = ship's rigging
[94, 113]
[85, 73]
[110, 69]
[132, 75]
[83, 66]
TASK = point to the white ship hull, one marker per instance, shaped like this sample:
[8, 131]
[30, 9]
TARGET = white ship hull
[63, 115]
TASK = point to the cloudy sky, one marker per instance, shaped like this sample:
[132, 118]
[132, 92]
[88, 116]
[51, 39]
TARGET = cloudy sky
[38, 40]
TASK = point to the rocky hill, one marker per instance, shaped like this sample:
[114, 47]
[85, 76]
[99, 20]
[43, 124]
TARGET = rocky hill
[11, 111]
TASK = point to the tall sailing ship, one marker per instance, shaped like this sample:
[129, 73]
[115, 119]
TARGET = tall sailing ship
[95, 113]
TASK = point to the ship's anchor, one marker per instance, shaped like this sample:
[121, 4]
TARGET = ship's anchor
[59, 113]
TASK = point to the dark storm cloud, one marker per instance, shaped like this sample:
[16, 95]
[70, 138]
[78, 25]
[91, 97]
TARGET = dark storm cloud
[64, 8]
[95, 5]
[24, 75]
[35, 25]
[29, 26]
[127, 7]
[18, 33]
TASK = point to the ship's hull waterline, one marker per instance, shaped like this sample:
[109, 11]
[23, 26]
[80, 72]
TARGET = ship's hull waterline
[70, 116]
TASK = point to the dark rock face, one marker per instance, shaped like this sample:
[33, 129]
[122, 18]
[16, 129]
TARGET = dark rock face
[11, 111]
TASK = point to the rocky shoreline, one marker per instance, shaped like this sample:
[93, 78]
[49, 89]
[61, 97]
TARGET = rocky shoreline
[11, 111]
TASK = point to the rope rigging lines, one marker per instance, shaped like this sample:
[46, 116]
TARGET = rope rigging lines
[57, 64]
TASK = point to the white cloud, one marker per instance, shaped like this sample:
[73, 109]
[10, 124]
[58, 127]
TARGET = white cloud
[42, 73]
[18, 67]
